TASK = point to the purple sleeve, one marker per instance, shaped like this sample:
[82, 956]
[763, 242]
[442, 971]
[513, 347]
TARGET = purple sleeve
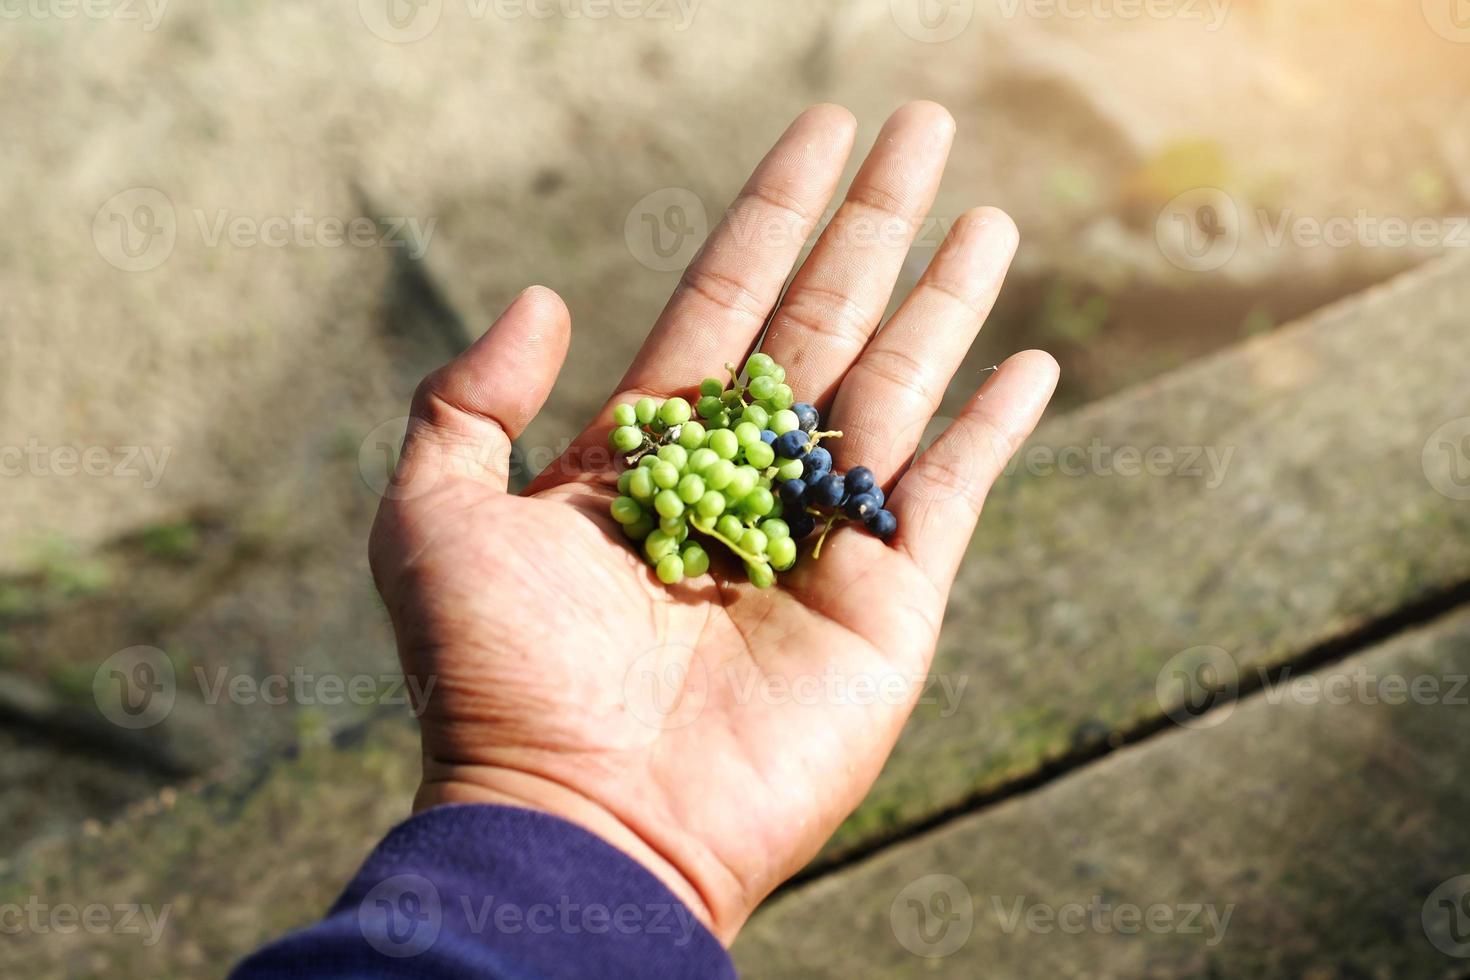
[493, 891]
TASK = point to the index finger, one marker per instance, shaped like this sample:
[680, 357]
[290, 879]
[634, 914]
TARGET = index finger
[722, 300]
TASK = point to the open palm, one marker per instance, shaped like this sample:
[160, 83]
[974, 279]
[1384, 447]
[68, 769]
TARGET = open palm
[716, 732]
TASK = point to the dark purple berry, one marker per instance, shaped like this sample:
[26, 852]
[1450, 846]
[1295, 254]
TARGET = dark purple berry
[807, 416]
[860, 506]
[802, 524]
[768, 437]
[859, 479]
[883, 524]
[792, 492]
[790, 444]
[818, 463]
[829, 490]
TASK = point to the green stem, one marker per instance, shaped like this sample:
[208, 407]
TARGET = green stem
[831, 521]
[739, 551]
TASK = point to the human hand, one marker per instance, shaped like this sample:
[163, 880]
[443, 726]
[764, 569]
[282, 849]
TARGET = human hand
[539, 623]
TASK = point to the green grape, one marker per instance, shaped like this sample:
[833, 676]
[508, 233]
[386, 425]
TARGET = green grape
[665, 475]
[711, 505]
[746, 433]
[782, 553]
[670, 570]
[640, 528]
[777, 508]
[725, 443]
[719, 474]
[759, 455]
[626, 438]
[640, 484]
[675, 455]
[779, 373]
[696, 560]
[674, 411]
[732, 398]
[709, 406]
[674, 527]
[757, 417]
[720, 421]
[658, 544]
[758, 502]
[754, 541]
[645, 410]
[648, 461]
[760, 574]
[625, 510]
[788, 469]
[711, 387]
[762, 388]
[741, 483]
[625, 415]
[625, 480]
[729, 526]
[691, 489]
[775, 528]
[759, 364]
[668, 504]
[783, 397]
[691, 436]
[701, 460]
[785, 421]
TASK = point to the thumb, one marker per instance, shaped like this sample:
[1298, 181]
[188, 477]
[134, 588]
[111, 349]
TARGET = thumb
[466, 413]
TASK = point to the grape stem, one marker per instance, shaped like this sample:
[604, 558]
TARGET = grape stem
[831, 522]
[652, 445]
[817, 437]
[739, 551]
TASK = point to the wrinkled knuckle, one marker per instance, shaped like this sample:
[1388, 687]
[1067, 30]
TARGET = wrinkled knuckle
[897, 372]
[831, 315]
[723, 292]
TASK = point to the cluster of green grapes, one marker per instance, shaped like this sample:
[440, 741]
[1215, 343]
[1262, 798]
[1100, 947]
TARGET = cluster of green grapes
[727, 468]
